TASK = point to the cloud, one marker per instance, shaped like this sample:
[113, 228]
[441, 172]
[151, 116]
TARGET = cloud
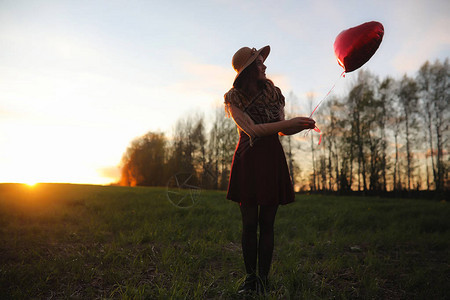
[282, 81]
[429, 42]
[200, 85]
[208, 76]
[421, 33]
[207, 83]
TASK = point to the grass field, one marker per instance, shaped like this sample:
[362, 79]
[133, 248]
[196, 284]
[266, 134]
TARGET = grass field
[79, 241]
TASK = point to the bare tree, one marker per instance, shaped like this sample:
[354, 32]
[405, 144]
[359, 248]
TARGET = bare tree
[289, 143]
[223, 138]
[310, 99]
[434, 85]
[408, 100]
[386, 98]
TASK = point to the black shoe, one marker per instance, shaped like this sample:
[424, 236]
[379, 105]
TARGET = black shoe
[262, 285]
[249, 284]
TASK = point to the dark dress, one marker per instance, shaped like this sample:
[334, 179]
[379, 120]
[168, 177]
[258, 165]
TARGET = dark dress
[259, 172]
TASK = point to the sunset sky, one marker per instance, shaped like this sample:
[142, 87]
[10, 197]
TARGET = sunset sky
[80, 79]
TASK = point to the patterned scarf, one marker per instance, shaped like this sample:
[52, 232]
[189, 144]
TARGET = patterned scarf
[268, 103]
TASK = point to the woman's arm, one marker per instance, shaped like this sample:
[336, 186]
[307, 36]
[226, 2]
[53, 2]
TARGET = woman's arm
[285, 127]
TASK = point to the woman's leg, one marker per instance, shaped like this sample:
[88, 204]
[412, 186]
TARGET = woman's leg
[266, 239]
[249, 238]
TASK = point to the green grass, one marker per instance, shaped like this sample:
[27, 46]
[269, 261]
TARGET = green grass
[81, 241]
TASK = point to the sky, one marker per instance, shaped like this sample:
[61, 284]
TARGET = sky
[79, 80]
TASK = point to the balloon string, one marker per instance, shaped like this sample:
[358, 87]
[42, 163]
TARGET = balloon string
[316, 129]
[342, 75]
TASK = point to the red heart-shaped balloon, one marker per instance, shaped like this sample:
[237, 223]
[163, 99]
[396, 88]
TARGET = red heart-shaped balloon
[355, 46]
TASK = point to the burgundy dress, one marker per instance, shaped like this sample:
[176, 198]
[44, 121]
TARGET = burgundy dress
[259, 172]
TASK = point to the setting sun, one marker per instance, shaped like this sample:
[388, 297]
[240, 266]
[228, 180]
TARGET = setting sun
[59, 154]
[31, 184]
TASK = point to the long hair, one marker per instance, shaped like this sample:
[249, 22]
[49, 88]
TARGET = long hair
[239, 94]
[247, 76]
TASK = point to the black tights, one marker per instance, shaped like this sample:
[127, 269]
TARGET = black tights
[250, 248]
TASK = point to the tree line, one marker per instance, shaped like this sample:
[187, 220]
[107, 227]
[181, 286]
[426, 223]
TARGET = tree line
[387, 134]
[384, 135]
[152, 159]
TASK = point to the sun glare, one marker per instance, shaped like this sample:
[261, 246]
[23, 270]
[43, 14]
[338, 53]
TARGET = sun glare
[48, 160]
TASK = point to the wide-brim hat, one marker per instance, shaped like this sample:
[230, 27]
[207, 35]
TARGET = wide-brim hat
[245, 56]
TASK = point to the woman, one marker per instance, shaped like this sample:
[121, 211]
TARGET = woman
[259, 178]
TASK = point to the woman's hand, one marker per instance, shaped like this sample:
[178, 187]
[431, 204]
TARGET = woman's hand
[304, 123]
[299, 124]
[282, 127]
